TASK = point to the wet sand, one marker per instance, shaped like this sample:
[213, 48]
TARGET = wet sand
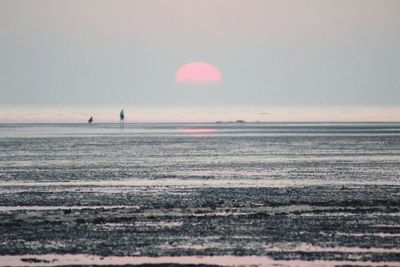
[331, 224]
[241, 196]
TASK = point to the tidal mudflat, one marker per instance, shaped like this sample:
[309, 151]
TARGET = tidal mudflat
[207, 194]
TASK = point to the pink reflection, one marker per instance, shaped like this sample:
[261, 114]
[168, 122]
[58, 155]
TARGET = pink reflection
[198, 132]
[83, 259]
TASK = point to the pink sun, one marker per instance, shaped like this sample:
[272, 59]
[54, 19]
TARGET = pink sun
[198, 72]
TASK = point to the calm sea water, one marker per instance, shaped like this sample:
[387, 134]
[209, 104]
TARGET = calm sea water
[203, 154]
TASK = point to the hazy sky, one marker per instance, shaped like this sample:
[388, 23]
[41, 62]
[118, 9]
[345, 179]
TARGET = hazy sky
[270, 53]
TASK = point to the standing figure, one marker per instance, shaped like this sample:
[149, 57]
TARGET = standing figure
[90, 120]
[121, 116]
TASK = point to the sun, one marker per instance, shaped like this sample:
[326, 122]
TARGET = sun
[198, 72]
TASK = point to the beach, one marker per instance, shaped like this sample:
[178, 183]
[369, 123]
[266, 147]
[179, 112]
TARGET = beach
[289, 194]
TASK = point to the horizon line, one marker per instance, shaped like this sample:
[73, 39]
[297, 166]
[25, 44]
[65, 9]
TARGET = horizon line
[207, 122]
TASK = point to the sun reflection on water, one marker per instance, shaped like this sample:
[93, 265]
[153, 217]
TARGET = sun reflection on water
[198, 132]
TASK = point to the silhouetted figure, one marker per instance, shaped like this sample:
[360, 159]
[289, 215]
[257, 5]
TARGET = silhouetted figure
[121, 116]
[90, 120]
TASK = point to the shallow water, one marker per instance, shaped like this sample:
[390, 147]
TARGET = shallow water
[328, 153]
[297, 193]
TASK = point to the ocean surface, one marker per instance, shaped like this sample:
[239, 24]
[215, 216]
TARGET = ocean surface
[241, 193]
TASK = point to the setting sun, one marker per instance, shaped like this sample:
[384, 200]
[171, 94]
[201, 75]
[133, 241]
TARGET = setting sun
[198, 72]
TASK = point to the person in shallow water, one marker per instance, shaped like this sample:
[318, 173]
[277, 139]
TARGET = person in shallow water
[121, 116]
[90, 120]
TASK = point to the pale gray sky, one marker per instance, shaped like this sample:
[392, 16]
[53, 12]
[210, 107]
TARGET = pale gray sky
[279, 53]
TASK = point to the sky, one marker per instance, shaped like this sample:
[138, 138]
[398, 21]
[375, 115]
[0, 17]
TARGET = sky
[314, 59]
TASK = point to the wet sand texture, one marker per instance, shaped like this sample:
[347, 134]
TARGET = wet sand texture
[297, 195]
